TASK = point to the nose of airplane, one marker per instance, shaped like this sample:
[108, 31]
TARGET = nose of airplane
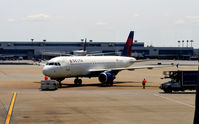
[46, 71]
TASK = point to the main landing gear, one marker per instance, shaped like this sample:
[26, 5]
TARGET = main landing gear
[107, 84]
[59, 80]
[78, 82]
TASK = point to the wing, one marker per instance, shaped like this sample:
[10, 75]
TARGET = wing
[128, 68]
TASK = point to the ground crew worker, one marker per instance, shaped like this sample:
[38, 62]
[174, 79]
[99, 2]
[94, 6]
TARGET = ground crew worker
[45, 78]
[143, 83]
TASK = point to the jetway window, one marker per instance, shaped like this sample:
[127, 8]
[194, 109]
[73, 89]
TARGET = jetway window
[9, 44]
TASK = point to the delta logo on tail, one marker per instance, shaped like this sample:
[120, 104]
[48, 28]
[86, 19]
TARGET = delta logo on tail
[127, 51]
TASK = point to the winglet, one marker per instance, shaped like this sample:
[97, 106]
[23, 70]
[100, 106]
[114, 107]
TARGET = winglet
[127, 51]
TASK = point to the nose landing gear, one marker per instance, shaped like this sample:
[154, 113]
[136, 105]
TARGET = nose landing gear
[59, 80]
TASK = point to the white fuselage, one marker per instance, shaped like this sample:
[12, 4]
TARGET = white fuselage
[80, 66]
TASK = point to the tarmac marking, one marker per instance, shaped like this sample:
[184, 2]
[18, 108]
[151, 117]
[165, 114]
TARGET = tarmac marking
[10, 109]
[176, 101]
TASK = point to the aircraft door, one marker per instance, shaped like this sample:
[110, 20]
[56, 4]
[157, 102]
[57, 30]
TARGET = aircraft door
[68, 68]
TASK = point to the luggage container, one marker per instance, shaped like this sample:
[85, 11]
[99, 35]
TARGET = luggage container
[49, 85]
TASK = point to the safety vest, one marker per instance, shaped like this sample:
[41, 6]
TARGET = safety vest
[144, 81]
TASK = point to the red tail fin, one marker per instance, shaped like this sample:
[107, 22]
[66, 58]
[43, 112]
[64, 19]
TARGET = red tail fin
[127, 51]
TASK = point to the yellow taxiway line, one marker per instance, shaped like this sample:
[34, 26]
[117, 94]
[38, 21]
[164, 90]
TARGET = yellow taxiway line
[10, 109]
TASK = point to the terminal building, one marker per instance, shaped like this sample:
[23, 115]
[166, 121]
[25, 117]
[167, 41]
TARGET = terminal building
[47, 50]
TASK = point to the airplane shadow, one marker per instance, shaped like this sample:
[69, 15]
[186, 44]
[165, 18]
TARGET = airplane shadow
[120, 82]
[100, 85]
[36, 82]
[65, 85]
[83, 85]
[96, 84]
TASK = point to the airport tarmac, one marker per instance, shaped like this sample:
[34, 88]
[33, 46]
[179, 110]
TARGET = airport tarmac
[124, 103]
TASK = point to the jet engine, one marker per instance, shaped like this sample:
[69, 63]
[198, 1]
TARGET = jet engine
[106, 77]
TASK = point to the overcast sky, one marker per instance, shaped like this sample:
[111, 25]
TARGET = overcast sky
[155, 22]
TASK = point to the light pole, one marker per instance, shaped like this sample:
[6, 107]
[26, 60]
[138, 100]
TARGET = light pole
[84, 41]
[182, 43]
[44, 56]
[191, 42]
[187, 42]
[32, 41]
[179, 43]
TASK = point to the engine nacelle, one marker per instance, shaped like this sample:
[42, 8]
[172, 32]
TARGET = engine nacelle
[105, 77]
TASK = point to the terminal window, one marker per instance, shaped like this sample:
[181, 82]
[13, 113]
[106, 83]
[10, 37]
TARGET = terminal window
[9, 44]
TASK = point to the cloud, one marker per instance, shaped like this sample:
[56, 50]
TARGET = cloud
[37, 17]
[136, 14]
[101, 23]
[188, 20]
[12, 20]
[193, 18]
[180, 21]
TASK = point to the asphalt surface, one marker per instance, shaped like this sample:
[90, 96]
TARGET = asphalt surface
[124, 103]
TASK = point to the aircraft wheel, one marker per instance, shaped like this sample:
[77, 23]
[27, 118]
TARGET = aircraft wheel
[111, 83]
[76, 82]
[60, 85]
[80, 82]
[107, 84]
[59, 80]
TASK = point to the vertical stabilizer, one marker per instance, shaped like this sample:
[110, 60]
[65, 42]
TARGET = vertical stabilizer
[127, 51]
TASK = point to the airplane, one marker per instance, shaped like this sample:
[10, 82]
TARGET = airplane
[104, 67]
[84, 52]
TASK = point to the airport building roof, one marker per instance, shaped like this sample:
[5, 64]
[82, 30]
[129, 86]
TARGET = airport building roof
[35, 49]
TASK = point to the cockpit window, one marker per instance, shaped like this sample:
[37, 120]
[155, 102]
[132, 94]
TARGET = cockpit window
[53, 63]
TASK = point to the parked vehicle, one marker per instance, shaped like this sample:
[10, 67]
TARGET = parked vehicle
[180, 81]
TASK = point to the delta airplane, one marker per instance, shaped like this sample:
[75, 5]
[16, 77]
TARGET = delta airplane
[104, 67]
